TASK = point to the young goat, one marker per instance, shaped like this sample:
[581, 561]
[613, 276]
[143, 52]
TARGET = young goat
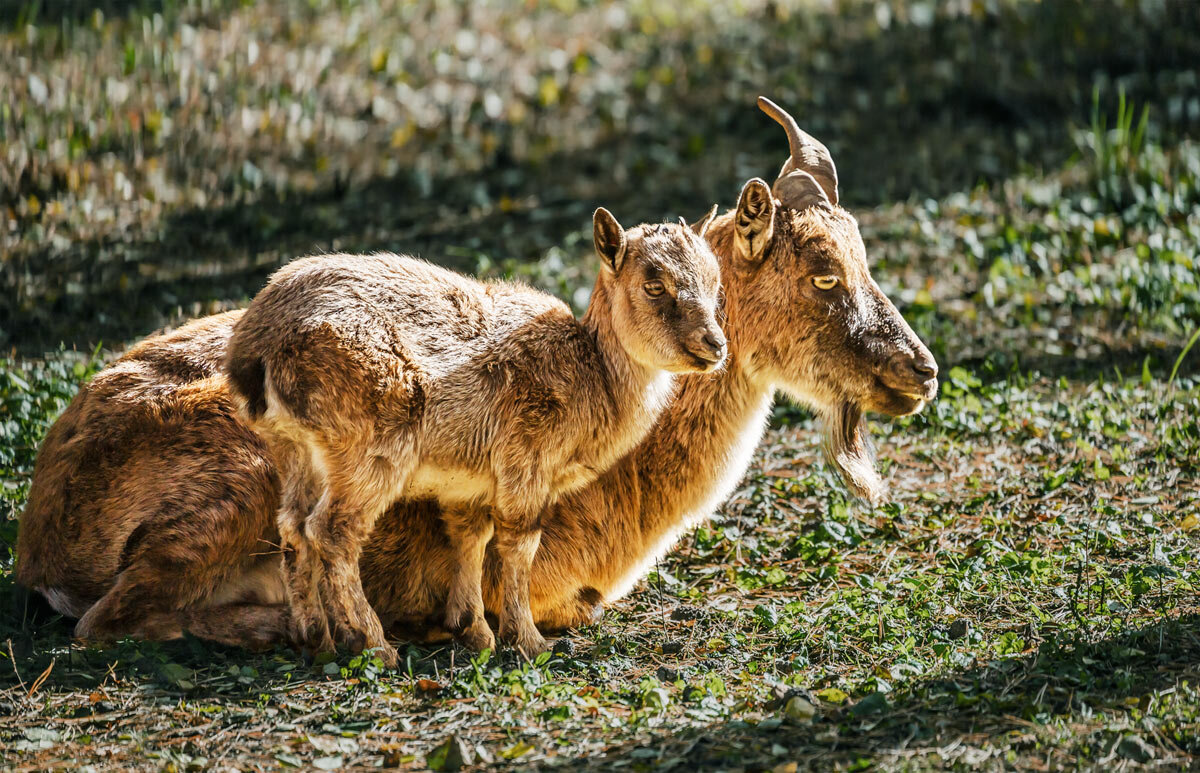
[380, 377]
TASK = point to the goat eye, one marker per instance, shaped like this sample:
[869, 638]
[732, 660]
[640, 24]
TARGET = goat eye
[825, 282]
[654, 289]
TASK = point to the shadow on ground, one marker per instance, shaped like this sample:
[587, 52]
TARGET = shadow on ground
[1124, 360]
[959, 718]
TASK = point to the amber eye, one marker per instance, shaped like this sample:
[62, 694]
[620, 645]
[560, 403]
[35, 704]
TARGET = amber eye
[654, 289]
[825, 282]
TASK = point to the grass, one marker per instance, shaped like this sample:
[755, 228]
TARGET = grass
[1029, 600]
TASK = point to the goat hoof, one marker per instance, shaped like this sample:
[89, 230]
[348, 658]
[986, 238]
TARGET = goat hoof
[350, 639]
[478, 637]
[311, 638]
[529, 643]
[459, 621]
[359, 639]
[387, 654]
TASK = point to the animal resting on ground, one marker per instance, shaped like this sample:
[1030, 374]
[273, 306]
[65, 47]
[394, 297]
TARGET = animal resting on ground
[152, 509]
[382, 378]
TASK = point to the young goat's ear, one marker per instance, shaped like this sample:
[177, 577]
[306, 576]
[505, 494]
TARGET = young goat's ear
[754, 222]
[700, 227]
[609, 238]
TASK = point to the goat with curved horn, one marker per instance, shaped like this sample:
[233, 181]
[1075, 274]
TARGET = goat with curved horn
[802, 314]
[808, 176]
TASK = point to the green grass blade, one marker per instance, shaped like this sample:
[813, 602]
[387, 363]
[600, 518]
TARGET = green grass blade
[1179, 360]
[1140, 134]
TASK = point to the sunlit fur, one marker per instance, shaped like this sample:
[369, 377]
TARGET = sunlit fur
[836, 354]
[596, 543]
[599, 541]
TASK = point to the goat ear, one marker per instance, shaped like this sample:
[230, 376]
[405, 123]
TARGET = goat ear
[700, 227]
[754, 222]
[799, 189]
[609, 238]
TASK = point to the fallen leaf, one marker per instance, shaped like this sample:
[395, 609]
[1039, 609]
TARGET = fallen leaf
[799, 710]
[833, 695]
[451, 754]
[516, 750]
[875, 703]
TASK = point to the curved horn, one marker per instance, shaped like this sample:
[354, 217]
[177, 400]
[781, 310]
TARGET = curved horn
[809, 155]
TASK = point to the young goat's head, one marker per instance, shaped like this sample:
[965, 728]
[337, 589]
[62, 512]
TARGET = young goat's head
[811, 320]
[662, 284]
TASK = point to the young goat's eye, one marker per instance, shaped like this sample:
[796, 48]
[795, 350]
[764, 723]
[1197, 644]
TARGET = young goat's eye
[825, 282]
[654, 289]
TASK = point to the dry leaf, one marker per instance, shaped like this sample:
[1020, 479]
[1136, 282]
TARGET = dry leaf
[428, 685]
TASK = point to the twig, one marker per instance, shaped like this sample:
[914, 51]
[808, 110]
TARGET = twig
[37, 683]
[1084, 562]
[13, 658]
[662, 605]
[280, 549]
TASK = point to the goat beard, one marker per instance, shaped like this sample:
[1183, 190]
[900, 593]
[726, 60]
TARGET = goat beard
[848, 448]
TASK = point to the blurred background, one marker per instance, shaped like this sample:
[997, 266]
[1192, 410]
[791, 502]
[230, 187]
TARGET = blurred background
[1021, 169]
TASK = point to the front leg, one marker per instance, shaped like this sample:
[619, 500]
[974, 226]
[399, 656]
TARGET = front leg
[516, 545]
[469, 529]
[338, 538]
[522, 492]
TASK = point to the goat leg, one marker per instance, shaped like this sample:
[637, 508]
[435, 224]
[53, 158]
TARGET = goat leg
[469, 530]
[517, 548]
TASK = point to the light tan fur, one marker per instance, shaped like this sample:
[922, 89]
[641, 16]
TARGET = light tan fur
[382, 378]
[842, 351]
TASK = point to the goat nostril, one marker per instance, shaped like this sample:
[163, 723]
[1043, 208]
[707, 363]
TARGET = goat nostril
[714, 343]
[924, 369]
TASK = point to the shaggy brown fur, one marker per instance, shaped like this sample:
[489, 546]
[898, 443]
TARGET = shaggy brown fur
[843, 350]
[152, 505]
[381, 378]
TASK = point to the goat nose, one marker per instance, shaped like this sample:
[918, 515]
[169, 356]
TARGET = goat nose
[924, 366]
[912, 371]
[708, 344]
[715, 341]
